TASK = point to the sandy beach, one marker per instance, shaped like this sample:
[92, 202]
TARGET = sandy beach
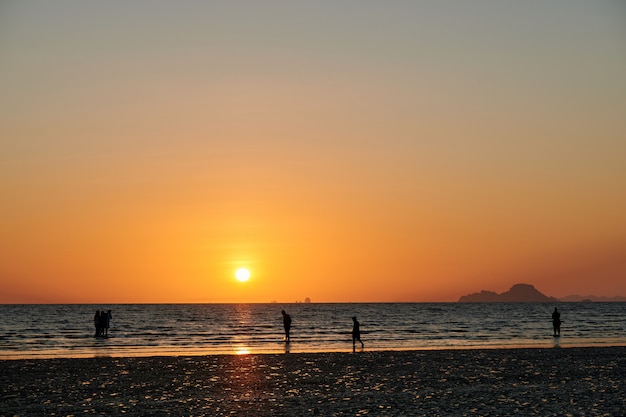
[489, 382]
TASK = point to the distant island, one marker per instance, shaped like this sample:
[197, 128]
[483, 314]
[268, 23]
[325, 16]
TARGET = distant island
[593, 298]
[519, 293]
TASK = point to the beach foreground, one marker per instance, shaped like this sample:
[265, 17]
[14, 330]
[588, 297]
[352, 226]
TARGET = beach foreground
[490, 382]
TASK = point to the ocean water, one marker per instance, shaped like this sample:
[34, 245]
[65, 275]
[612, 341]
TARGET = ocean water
[51, 331]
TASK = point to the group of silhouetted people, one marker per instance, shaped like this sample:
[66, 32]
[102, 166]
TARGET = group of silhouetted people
[102, 321]
[356, 330]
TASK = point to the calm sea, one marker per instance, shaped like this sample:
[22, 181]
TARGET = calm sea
[44, 331]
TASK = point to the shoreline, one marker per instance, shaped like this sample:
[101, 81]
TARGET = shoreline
[494, 381]
[237, 350]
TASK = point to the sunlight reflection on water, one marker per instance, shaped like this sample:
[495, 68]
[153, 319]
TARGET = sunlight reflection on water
[206, 329]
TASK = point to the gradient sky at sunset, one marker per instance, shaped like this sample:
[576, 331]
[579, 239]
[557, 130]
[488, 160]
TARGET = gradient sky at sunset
[339, 150]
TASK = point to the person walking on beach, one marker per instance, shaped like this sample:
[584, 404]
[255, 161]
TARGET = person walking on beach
[556, 322]
[286, 325]
[356, 333]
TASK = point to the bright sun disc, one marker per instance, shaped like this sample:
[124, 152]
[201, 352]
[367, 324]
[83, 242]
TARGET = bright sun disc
[242, 275]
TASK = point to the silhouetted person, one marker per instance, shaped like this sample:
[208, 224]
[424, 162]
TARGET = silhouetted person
[356, 333]
[96, 323]
[101, 323]
[556, 322]
[286, 325]
[107, 321]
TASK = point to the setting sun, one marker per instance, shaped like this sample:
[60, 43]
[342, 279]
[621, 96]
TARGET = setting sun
[242, 275]
[256, 161]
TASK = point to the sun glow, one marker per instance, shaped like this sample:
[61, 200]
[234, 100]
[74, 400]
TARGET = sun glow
[242, 274]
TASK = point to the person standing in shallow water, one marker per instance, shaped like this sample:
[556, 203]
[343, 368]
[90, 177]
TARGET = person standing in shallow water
[556, 322]
[107, 322]
[286, 325]
[356, 333]
[96, 323]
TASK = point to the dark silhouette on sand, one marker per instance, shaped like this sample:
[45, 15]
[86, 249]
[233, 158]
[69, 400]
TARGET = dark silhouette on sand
[356, 333]
[286, 325]
[556, 322]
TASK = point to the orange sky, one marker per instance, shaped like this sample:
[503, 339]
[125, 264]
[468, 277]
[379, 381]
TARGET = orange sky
[342, 152]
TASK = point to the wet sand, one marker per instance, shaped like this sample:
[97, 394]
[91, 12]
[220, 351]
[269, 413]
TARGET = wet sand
[490, 382]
